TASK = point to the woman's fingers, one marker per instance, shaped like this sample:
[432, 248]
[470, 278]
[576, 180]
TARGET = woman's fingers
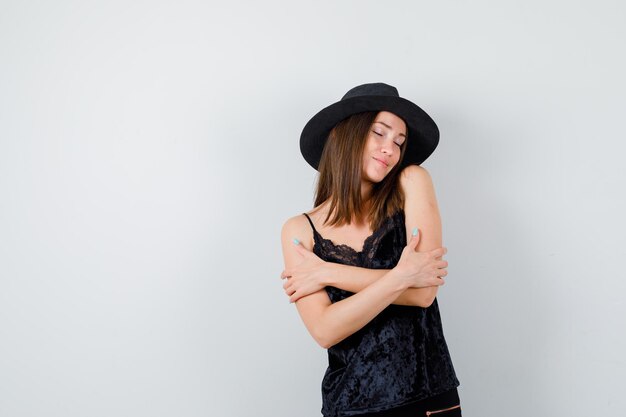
[293, 297]
[415, 238]
[441, 266]
[439, 252]
[289, 290]
[301, 249]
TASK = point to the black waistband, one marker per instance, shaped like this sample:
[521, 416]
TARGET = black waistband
[441, 401]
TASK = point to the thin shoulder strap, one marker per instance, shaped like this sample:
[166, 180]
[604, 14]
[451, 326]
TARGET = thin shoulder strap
[313, 227]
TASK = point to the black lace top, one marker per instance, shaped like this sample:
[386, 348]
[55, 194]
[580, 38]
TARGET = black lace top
[400, 356]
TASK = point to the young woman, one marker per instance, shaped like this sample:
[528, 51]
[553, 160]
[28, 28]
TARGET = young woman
[364, 291]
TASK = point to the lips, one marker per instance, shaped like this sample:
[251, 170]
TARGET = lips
[382, 162]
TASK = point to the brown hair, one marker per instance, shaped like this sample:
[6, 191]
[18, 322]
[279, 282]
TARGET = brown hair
[340, 171]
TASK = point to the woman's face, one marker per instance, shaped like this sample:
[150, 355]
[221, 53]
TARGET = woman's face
[382, 146]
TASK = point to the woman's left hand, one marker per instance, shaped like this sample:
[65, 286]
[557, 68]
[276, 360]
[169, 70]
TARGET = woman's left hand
[309, 276]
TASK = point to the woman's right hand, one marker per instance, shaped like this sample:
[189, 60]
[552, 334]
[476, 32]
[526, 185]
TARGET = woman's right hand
[421, 269]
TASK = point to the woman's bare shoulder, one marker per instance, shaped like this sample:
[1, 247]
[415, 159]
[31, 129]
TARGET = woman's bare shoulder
[416, 179]
[415, 173]
[298, 227]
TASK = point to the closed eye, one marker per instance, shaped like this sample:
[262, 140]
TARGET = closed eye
[399, 144]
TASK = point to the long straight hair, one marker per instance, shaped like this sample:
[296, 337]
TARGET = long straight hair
[340, 171]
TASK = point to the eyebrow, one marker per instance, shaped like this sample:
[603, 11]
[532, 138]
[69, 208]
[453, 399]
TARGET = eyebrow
[386, 125]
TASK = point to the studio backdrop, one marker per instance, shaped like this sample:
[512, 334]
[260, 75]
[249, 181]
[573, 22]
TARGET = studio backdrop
[149, 157]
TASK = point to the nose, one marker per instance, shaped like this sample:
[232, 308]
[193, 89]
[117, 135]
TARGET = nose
[387, 148]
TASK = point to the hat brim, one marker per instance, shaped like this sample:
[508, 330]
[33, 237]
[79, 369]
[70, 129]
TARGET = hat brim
[423, 133]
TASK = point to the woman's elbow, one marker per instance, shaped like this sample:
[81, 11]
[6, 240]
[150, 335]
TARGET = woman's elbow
[325, 344]
[325, 336]
[323, 339]
[320, 334]
[320, 337]
[425, 303]
[425, 299]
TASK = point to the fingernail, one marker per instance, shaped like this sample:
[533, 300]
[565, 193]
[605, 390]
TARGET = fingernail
[295, 241]
[415, 231]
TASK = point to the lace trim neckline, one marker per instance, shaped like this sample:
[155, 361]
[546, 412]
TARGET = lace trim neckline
[366, 243]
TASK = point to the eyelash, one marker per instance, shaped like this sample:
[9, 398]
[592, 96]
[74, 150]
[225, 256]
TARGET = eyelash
[399, 145]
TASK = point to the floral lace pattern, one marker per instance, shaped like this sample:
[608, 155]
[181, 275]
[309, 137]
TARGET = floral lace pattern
[346, 254]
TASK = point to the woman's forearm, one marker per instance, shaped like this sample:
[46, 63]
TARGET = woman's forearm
[355, 279]
[343, 318]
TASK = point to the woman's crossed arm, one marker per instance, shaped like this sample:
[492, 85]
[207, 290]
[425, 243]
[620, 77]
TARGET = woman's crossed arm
[420, 210]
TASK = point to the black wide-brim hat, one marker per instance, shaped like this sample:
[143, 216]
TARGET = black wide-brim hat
[423, 133]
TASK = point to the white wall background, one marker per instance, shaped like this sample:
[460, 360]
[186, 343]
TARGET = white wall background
[149, 157]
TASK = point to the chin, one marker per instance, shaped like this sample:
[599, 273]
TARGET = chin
[378, 178]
